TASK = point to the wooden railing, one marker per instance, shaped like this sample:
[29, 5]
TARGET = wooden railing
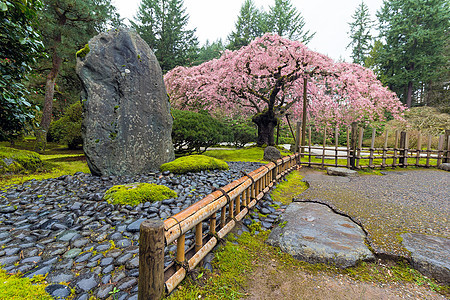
[355, 156]
[232, 201]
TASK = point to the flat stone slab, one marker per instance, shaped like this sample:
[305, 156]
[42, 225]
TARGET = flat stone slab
[430, 255]
[312, 232]
[444, 166]
[341, 172]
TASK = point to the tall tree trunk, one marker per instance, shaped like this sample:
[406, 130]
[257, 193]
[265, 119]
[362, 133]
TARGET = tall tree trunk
[409, 95]
[41, 139]
[266, 122]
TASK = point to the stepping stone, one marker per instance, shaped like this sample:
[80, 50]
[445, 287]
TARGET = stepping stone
[430, 255]
[312, 232]
[444, 166]
[341, 172]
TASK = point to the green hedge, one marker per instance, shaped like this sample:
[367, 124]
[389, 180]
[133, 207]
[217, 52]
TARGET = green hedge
[194, 132]
[67, 130]
[194, 163]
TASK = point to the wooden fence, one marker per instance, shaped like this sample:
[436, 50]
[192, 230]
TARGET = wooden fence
[355, 156]
[232, 201]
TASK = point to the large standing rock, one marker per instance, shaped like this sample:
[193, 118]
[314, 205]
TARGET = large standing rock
[127, 123]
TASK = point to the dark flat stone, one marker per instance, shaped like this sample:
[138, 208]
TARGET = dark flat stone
[314, 233]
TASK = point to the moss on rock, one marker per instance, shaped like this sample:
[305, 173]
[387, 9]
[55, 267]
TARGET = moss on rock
[194, 163]
[83, 51]
[14, 161]
[135, 193]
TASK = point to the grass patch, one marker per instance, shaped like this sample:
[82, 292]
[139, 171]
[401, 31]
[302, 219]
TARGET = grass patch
[194, 163]
[16, 287]
[238, 258]
[135, 193]
[251, 154]
[292, 187]
[15, 161]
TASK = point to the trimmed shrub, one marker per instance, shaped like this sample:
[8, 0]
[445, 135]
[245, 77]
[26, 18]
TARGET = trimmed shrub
[193, 131]
[16, 161]
[135, 193]
[67, 130]
[194, 163]
[241, 132]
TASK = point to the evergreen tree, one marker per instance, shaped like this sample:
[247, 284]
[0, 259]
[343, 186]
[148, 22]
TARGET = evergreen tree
[66, 26]
[20, 45]
[210, 51]
[162, 24]
[414, 33]
[249, 25]
[360, 33]
[284, 20]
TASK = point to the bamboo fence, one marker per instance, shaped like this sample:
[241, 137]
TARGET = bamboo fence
[355, 156]
[232, 201]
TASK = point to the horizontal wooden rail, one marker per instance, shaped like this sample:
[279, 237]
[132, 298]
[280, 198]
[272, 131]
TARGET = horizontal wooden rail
[232, 201]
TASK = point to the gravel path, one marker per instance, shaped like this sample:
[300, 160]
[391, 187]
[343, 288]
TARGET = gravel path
[63, 227]
[400, 201]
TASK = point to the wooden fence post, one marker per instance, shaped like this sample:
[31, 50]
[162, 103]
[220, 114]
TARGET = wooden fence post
[297, 140]
[403, 151]
[151, 260]
[447, 146]
[353, 143]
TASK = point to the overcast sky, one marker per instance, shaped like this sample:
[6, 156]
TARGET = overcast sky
[214, 19]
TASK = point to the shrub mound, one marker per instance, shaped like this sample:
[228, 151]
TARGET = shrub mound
[17, 287]
[135, 193]
[194, 163]
[14, 161]
[67, 130]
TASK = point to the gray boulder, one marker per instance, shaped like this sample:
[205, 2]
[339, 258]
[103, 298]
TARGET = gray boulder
[127, 123]
[341, 172]
[271, 153]
[429, 254]
[444, 166]
[312, 232]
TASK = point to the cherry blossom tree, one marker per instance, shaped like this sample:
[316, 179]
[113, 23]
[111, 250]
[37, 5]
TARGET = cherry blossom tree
[265, 80]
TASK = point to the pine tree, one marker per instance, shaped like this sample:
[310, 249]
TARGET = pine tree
[282, 19]
[414, 33]
[286, 21]
[249, 25]
[360, 33]
[210, 51]
[66, 26]
[162, 24]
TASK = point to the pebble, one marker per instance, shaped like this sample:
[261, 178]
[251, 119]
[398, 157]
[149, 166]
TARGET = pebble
[54, 226]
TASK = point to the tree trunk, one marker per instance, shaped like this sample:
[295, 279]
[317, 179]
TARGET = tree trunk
[41, 139]
[266, 122]
[409, 95]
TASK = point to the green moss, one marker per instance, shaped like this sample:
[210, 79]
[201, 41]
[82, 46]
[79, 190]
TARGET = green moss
[83, 51]
[252, 153]
[16, 161]
[136, 193]
[194, 163]
[16, 287]
[289, 189]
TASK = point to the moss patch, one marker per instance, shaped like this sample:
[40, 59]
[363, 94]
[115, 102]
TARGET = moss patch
[289, 189]
[194, 163]
[16, 287]
[135, 193]
[83, 51]
[16, 161]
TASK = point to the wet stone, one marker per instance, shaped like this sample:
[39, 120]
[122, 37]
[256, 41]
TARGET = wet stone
[66, 236]
[42, 270]
[108, 269]
[60, 276]
[123, 259]
[132, 263]
[72, 253]
[86, 282]
[103, 291]
[123, 243]
[8, 260]
[83, 257]
[126, 283]
[134, 227]
[58, 291]
[32, 259]
[78, 243]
